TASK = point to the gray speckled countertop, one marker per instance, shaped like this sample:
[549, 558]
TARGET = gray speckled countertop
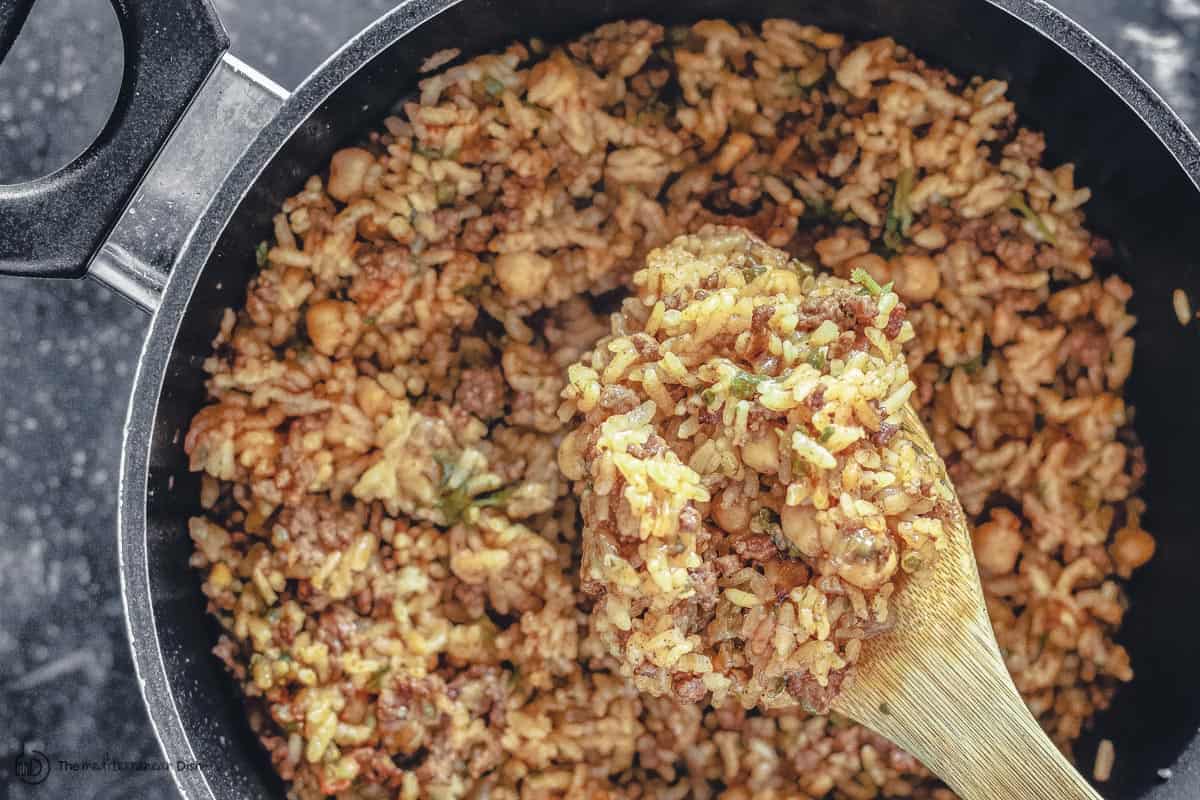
[68, 352]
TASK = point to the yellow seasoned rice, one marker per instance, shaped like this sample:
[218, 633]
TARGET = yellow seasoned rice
[746, 518]
[1182, 306]
[387, 540]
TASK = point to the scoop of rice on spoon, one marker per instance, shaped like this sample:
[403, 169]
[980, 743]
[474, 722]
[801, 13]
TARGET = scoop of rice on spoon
[767, 523]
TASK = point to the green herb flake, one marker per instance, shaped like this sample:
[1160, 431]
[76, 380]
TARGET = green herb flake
[260, 253]
[653, 113]
[493, 87]
[816, 360]
[752, 273]
[496, 498]
[453, 503]
[1016, 202]
[471, 291]
[899, 216]
[826, 434]
[454, 499]
[447, 193]
[792, 83]
[864, 279]
[764, 518]
[819, 209]
[708, 396]
[375, 682]
[973, 365]
[745, 384]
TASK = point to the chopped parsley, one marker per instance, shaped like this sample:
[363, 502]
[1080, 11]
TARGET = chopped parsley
[745, 384]
[496, 498]
[764, 518]
[455, 499]
[751, 273]
[899, 216]
[493, 87]
[1016, 202]
[447, 193]
[375, 683]
[260, 253]
[864, 279]
[820, 210]
[453, 503]
[826, 434]
[794, 82]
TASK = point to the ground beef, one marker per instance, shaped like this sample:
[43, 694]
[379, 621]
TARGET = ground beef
[885, 433]
[481, 392]
[688, 688]
[756, 548]
[847, 309]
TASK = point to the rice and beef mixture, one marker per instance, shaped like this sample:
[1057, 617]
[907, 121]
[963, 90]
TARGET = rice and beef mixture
[387, 539]
[747, 504]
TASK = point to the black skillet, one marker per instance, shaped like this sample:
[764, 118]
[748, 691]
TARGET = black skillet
[173, 228]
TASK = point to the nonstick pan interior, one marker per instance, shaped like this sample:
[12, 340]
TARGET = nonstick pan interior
[1141, 199]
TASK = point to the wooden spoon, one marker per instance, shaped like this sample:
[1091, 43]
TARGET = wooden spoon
[937, 686]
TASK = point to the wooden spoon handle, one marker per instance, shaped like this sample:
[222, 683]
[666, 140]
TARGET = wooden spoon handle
[938, 687]
[968, 724]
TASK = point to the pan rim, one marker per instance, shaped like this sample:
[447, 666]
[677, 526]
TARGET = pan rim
[157, 692]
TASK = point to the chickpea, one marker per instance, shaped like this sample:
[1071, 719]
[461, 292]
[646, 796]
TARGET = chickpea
[762, 454]
[523, 275]
[348, 172]
[997, 546]
[931, 238]
[799, 525]
[864, 557]
[733, 517]
[1131, 548]
[570, 456]
[330, 325]
[837, 249]
[917, 277]
[371, 397]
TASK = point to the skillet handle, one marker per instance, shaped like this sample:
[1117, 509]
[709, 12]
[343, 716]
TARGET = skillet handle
[52, 226]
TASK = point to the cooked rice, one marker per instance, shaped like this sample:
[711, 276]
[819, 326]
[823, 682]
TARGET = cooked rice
[1182, 306]
[1105, 757]
[418, 628]
[748, 499]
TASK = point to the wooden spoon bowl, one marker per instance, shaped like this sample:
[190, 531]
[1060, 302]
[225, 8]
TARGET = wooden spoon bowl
[937, 686]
